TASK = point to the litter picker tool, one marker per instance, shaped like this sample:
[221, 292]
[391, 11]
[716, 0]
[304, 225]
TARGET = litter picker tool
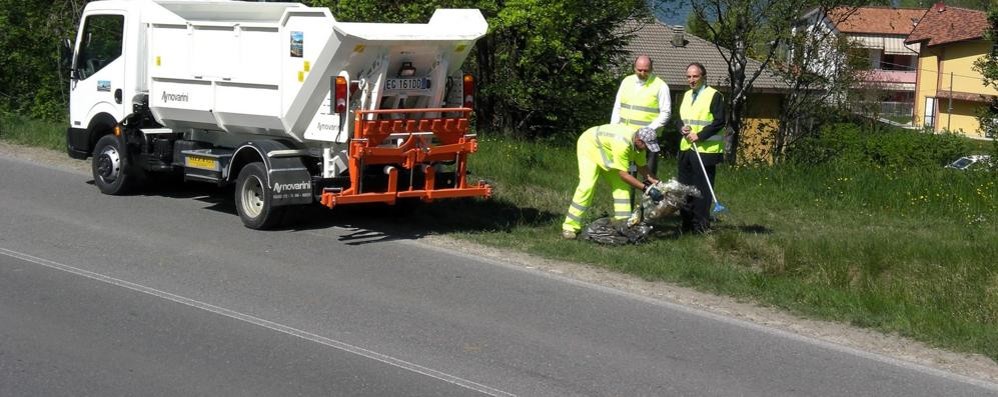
[718, 207]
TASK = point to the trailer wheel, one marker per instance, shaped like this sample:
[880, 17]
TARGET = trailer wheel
[111, 168]
[253, 198]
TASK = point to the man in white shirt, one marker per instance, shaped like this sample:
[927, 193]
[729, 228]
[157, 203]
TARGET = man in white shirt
[643, 100]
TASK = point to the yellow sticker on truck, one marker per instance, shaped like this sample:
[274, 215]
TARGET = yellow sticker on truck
[204, 163]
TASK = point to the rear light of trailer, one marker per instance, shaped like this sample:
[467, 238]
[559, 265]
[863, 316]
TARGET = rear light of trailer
[340, 95]
[469, 90]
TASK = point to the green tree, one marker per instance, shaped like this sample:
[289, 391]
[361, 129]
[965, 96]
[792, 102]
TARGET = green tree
[697, 27]
[545, 68]
[819, 69]
[988, 67]
[32, 80]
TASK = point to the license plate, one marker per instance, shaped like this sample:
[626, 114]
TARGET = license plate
[407, 84]
[203, 163]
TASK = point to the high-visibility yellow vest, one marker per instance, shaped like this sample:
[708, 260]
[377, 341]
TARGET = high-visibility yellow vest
[697, 115]
[639, 104]
[610, 146]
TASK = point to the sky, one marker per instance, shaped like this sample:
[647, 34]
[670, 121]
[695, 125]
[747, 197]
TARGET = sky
[675, 16]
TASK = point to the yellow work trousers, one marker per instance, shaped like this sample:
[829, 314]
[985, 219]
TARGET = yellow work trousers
[589, 175]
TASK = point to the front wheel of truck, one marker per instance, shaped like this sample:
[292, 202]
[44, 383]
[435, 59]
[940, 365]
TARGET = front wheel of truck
[253, 198]
[111, 167]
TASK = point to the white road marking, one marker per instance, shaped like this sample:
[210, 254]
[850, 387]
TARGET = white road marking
[360, 351]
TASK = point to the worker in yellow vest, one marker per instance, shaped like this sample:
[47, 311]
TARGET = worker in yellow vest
[702, 121]
[604, 152]
[643, 100]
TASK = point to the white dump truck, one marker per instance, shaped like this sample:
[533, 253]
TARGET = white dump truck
[282, 100]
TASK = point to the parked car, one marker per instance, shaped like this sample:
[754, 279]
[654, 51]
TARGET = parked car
[976, 161]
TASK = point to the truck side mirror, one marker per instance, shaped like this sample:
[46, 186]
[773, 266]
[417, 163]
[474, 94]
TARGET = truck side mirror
[66, 58]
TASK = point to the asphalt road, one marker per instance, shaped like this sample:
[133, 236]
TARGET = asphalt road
[167, 293]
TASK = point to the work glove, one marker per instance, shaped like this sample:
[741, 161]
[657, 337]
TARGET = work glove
[654, 194]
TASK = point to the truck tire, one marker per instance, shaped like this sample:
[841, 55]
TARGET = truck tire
[111, 167]
[253, 198]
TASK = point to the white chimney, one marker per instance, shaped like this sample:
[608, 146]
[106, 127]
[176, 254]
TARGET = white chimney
[678, 36]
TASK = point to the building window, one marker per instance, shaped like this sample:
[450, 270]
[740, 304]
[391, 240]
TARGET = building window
[929, 119]
[897, 62]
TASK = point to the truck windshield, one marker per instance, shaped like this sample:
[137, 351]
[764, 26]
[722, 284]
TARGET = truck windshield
[100, 43]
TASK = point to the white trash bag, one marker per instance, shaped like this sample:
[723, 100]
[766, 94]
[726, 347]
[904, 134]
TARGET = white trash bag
[636, 228]
[675, 195]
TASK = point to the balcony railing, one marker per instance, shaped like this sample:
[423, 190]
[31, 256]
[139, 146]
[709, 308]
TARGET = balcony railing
[898, 112]
[889, 76]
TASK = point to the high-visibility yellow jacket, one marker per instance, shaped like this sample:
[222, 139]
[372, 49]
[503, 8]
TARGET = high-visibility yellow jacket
[610, 146]
[697, 115]
[639, 103]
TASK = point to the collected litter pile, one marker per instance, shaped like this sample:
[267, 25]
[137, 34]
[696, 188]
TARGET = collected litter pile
[636, 228]
[674, 196]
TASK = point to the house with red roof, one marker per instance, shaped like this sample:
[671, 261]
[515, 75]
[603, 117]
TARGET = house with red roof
[878, 34]
[948, 90]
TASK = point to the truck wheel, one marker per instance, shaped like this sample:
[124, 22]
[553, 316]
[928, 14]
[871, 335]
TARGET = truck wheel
[253, 201]
[112, 171]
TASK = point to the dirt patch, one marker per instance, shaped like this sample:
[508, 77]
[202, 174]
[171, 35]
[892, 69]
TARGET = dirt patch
[44, 156]
[971, 365]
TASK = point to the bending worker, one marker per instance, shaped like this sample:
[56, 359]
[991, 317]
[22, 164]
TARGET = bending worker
[643, 101]
[701, 122]
[605, 152]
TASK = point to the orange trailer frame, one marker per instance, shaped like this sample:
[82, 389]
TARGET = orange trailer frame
[417, 151]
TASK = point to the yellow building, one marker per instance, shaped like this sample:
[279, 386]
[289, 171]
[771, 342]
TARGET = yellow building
[948, 91]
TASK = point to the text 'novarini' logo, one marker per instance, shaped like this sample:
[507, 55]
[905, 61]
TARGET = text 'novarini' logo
[327, 127]
[168, 97]
[280, 187]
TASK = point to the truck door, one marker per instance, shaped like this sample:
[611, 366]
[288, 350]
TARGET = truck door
[99, 69]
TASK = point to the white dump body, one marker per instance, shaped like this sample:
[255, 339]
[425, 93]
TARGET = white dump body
[268, 68]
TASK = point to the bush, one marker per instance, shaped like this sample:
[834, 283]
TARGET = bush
[889, 148]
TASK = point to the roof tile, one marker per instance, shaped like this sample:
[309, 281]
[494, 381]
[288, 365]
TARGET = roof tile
[876, 20]
[943, 24]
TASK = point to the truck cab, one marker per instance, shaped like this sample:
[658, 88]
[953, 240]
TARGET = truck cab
[101, 86]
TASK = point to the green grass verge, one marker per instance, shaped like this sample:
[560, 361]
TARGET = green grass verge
[20, 130]
[905, 251]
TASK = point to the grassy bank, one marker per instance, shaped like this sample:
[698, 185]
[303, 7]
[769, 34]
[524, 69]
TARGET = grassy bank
[906, 250]
[17, 129]
[909, 251]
